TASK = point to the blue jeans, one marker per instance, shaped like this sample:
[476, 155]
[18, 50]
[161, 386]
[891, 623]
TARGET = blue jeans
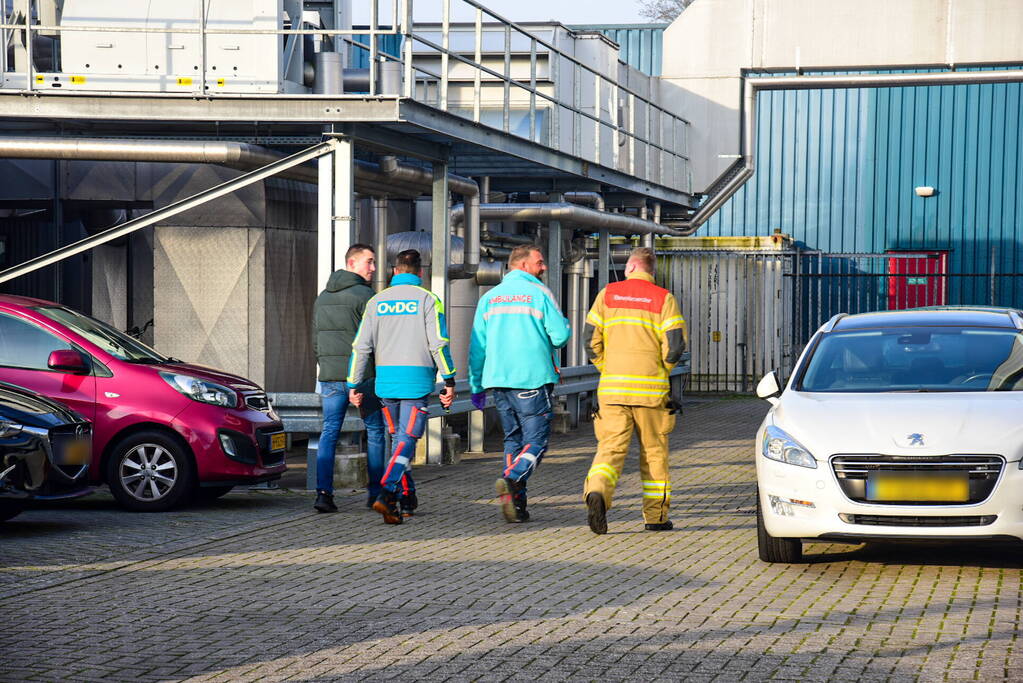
[335, 405]
[526, 419]
[406, 421]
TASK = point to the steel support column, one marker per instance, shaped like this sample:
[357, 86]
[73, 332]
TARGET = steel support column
[603, 259]
[440, 257]
[335, 209]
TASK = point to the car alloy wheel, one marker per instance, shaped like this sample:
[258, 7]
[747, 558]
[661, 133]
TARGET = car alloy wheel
[150, 472]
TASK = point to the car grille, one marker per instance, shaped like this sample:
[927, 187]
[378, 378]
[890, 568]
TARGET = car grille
[258, 401]
[915, 520]
[852, 472]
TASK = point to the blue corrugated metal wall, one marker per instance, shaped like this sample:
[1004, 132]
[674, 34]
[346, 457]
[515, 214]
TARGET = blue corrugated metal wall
[642, 45]
[389, 43]
[836, 169]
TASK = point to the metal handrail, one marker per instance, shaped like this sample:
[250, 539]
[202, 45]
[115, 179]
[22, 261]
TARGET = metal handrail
[624, 133]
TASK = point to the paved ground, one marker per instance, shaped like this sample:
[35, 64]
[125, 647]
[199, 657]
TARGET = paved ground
[258, 587]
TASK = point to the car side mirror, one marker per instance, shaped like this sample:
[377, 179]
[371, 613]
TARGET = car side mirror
[769, 387]
[68, 360]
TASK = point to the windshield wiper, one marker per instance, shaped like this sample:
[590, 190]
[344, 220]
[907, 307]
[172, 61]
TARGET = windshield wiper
[146, 361]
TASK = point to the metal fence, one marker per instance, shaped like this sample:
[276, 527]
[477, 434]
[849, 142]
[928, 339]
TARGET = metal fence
[750, 312]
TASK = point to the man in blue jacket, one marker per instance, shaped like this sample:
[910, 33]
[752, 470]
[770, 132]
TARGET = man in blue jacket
[515, 336]
[404, 331]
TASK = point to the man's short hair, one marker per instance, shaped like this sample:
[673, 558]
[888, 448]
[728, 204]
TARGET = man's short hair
[357, 249]
[644, 258]
[408, 261]
[521, 253]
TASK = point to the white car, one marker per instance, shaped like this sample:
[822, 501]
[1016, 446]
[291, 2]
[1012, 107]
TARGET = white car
[895, 425]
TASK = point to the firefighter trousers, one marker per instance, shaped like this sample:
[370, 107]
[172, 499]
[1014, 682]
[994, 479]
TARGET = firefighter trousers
[613, 426]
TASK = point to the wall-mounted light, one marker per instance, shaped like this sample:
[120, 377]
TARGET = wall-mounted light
[924, 191]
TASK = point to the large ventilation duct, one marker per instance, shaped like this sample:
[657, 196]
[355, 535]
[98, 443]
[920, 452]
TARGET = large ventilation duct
[567, 213]
[722, 189]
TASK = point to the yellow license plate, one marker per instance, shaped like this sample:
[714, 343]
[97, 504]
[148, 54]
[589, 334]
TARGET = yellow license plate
[892, 487]
[75, 453]
[278, 442]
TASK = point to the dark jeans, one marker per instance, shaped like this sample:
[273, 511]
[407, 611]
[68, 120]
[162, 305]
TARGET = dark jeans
[335, 405]
[406, 421]
[526, 418]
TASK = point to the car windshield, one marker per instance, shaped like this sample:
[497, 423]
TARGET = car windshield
[112, 341]
[916, 359]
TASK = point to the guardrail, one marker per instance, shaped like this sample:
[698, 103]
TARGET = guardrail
[301, 412]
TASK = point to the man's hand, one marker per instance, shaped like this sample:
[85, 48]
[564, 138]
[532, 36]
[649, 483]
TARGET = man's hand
[479, 401]
[354, 397]
[447, 397]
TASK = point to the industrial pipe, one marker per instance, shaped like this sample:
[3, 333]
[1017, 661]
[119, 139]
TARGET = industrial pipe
[380, 212]
[467, 187]
[594, 199]
[738, 173]
[567, 213]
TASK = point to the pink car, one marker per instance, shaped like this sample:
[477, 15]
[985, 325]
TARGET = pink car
[162, 429]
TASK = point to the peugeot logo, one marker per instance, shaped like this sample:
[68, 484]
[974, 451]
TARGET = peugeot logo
[915, 439]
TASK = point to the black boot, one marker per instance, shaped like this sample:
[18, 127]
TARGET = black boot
[596, 513]
[520, 508]
[666, 525]
[324, 502]
[507, 492]
[409, 503]
[387, 505]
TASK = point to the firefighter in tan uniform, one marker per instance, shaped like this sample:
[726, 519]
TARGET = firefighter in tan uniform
[635, 335]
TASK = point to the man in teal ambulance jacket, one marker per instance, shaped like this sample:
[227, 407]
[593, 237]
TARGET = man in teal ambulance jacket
[516, 333]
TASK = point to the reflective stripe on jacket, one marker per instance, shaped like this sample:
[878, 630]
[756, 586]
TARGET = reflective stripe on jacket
[405, 332]
[517, 329]
[635, 335]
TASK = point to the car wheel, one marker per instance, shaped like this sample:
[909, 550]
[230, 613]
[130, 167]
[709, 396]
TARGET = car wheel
[150, 472]
[772, 549]
[206, 494]
[10, 508]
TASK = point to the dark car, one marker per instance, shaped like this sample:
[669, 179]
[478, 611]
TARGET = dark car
[45, 450]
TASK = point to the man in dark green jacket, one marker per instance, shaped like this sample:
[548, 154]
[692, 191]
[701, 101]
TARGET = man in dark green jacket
[336, 316]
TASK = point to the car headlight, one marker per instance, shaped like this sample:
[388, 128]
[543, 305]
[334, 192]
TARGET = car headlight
[778, 445]
[201, 390]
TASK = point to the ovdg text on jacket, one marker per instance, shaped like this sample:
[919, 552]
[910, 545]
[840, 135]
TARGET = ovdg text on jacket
[405, 332]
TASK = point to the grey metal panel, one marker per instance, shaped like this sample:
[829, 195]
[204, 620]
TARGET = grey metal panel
[287, 319]
[110, 284]
[100, 181]
[26, 180]
[172, 182]
[202, 295]
[290, 205]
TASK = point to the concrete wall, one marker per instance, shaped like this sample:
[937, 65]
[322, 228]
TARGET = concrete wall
[708, 46]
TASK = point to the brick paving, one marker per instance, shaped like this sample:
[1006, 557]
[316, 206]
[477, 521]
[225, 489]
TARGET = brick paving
[258, 587]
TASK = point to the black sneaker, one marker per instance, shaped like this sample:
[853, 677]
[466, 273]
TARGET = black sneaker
[324, 502]
[387, 505]
[409, 503]
[596, 513]
[506, 490]
[662, 526]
